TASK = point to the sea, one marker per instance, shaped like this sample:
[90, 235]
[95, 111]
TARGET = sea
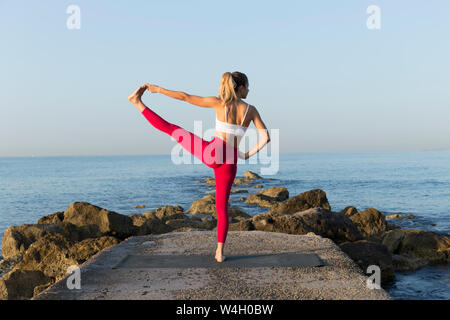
[416, 183]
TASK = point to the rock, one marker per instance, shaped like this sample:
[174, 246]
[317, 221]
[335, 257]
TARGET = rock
[240, 181]
[53, 218]
[189, 223]
[205, 205]
[334, 225]
[370, 222]
[235, 213]
[243, 225]
[109, 223]
[83, 250]
[366, 253]
[170, 212]
[238, 191]
[257, 186]
[427, 245]
[392, 239]
[242, 198]
[17, 239]
[140, 206]
[267, 197]
[38, 289]
[349, 211]
[310, 199]
[153, 226]
[19, 284]
[403, 263]
[394, 216]
[251, 175]
[6, 265]
[50, 255]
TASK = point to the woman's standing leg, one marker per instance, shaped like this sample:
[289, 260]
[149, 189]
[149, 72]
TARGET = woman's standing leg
[224, 177]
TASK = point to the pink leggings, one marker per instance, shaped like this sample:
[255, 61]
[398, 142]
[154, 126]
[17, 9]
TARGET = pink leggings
[216, 154]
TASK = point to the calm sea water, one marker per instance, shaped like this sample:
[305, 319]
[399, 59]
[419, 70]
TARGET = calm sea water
[392, 182]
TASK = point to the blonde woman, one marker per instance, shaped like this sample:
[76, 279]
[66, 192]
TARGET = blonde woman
[222, 151]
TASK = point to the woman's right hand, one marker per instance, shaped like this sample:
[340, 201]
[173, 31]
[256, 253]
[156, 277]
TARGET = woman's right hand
[152, 88]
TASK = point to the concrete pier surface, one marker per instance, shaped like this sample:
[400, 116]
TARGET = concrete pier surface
[106, 276]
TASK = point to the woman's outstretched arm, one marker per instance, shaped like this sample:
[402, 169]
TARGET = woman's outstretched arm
[206, 102]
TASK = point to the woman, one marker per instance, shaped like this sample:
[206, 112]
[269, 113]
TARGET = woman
[236, 116]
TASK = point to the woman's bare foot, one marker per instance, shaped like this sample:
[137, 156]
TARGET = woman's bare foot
[219, 257]
[135, 97]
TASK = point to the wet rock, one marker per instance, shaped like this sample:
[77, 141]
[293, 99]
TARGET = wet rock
[392, 239]
[394, 216]
[310, 199]
[427, 245]
[268, 197]
[366, 253]
[140, 206]
[257, 186]
[403, 263]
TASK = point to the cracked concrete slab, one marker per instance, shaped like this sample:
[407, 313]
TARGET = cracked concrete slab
[338, 278]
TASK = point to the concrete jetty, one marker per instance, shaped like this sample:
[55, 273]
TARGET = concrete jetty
[105, 276]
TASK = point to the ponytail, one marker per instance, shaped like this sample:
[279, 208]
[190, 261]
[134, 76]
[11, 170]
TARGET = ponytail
[229, 84]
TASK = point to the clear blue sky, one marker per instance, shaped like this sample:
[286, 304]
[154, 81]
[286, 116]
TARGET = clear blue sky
[316, 72]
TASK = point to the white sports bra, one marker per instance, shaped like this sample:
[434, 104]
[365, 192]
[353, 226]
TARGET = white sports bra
[231, 128]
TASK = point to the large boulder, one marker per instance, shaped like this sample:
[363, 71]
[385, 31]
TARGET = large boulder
[427, 245]
[366, 253]
[268, 197]
[19, 284]
[17, 239]
[109, 223]
[50, 255]
[310, 199]
[334, 225]
[370, 222]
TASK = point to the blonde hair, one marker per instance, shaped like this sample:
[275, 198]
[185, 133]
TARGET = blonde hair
[229, 84]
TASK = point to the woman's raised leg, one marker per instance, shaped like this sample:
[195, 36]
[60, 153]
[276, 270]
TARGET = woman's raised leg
[194, 144]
